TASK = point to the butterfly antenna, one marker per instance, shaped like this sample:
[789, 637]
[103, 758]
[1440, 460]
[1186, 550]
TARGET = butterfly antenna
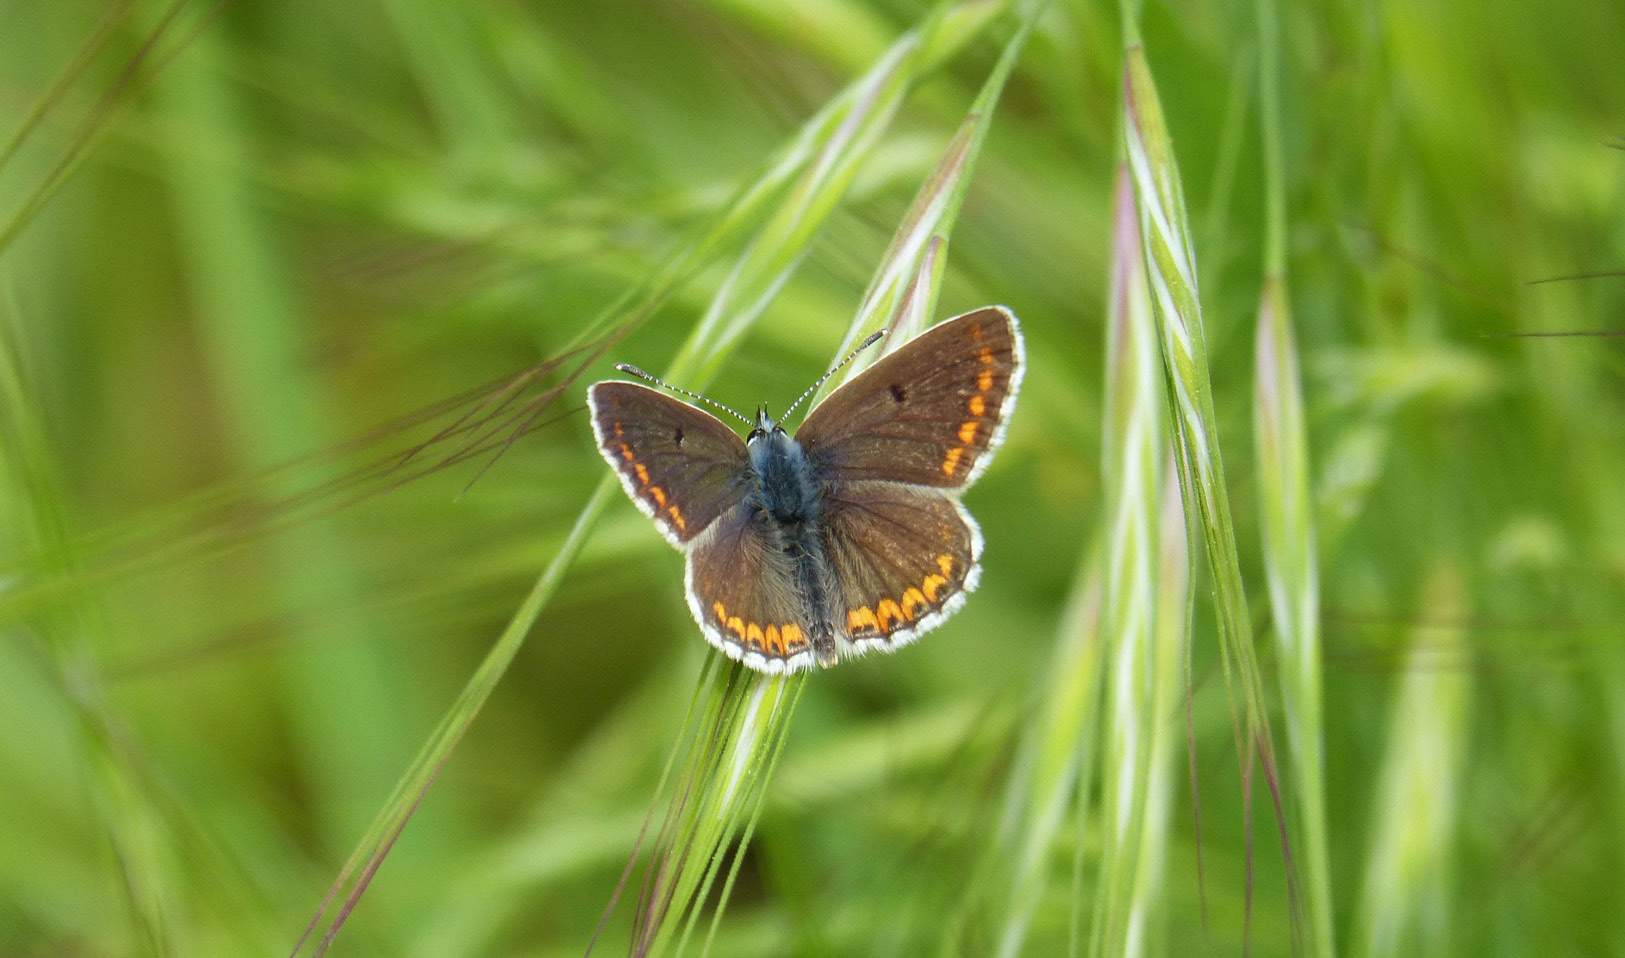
[873, 338]
[632, 370]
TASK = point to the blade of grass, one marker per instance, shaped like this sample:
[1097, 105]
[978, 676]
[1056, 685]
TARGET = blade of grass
[1134, 438]
[902, 295]
[1292, 570]
[720, 797]
[1286, 511]
[1416, 803]
[1147, 907]
[1171, 262]
[1052, 770]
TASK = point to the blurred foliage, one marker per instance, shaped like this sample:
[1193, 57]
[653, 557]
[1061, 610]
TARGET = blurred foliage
[247, 244]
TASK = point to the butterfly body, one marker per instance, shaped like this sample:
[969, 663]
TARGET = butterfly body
[789, 493]
[845, 537]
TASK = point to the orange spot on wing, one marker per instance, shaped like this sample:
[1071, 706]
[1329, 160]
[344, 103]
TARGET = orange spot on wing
[774, 642]
[860, 620]
[967, 431]
[945, 562]
[642, 471]
[618, 430]
[985, 356]
[984, 380]
[659, 495]
[888, 611]
[753, 636]
[721, 611]
[911, 600]
[950, 462]
[793, 639]
[977, 406]
[933, 584]
[736, 625]
[627, 453]
[677, 517]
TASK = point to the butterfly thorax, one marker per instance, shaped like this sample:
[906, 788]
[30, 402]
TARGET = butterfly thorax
[785, 481]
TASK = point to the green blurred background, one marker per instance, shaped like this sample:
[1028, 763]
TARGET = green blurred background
[245, 243]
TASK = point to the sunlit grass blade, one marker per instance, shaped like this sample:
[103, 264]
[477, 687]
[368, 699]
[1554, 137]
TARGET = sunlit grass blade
[1292, 569]
[1148, 910]
[717, 796]
[1184, 350]
[903, 292]
[1286, 510]
[1135, 438]
[1416, 807]
[1171, 265]
[1054, 766]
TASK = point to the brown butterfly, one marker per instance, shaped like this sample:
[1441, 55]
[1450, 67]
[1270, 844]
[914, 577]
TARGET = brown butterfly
[846, 537]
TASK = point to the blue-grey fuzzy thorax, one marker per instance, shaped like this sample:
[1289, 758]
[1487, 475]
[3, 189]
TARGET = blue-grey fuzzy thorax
[784, 478]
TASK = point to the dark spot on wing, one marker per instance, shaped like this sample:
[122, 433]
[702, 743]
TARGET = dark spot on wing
[896, 392]
[679, 436]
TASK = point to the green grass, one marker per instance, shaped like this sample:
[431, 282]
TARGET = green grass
[311, 583]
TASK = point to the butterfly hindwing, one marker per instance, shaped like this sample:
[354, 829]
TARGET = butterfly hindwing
[741, 589]
[928, 414]
[902, 557]
[681, 465]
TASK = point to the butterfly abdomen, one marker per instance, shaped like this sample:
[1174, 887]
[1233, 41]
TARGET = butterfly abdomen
[806, 551]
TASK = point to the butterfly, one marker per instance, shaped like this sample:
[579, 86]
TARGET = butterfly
[849, 535]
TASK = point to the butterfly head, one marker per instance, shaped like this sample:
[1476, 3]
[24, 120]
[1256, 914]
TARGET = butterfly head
[765, 426]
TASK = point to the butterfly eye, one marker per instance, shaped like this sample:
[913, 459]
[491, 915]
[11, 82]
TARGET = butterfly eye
[754, 434]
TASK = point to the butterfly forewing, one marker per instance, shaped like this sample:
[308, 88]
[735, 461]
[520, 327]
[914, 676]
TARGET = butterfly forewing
[902, 557]
[681, 465]
[741, 589]
[929, 414]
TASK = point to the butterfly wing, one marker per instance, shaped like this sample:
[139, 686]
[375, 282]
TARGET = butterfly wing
[929, 414]
[741, 589]
[903, 558]
[681, 465]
